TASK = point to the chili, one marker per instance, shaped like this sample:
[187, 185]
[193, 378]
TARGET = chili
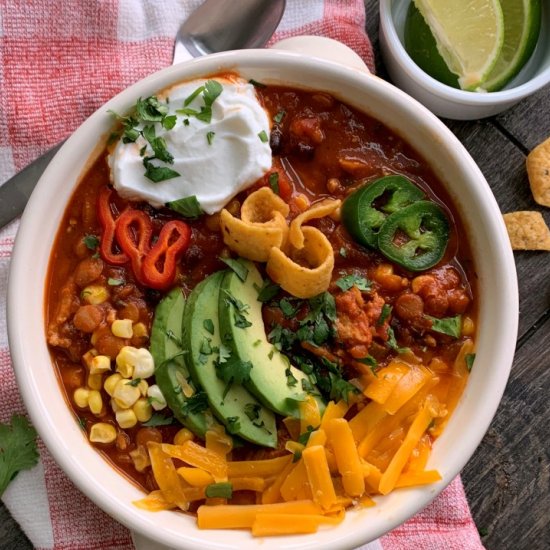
[108, 224]
[159, 265]
[365, 211]
[133, 233]
[416, 236]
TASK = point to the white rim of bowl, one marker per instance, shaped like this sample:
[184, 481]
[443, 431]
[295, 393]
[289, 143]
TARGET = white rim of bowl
[442, 90]
[144, 523]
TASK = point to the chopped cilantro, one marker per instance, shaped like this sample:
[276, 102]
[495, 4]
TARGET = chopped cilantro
[223, 353]
[188, 207]
[369, 360]
[81, 422]
[169, 122]
[208, 325]
[134, 383]
[233, 371]
[274, 182]
[210, 91]
[115, 282]
[303, 438]
[151, 109]
[469, 358]
[448, 325]
[384, 314]
[279, 117]
[237, 266]
[219, 490]
[268, 291]
[210, 137]
[91, 241]
[263, 136]
[252, 410]
[195, 404]
[345, 283]
[192, 96]
[287, 308]
[343, 252]
[290, 378]
[233, 424]
[158, 173]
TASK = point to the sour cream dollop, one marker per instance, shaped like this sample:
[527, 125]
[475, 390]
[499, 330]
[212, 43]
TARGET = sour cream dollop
[215, 160]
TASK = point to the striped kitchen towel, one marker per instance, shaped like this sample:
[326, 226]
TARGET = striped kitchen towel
[59, 61]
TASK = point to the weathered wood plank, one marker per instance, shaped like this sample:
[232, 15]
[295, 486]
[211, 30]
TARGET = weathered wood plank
[508, 479]
[529, 120]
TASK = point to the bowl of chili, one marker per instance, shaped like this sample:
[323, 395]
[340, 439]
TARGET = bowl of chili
[456, 211]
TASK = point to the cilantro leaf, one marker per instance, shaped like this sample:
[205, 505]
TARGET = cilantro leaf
[210, 137]
[384, 314]
[188, 207]
[168, 122]
[195, 404]
[343, 252]
[274, 182]
[18, 449]
[115, 282]
[158, 420]
[268, 291]
[452, 326]
[303, 438]
[191, 97]
[233, 370]
[212, 89]
[237, 266]
[279, 117]
[223, 489]
[469, 358]
[208, 325]
[91, 241]
[257, 84]
[151, 109]
[345, 283]
[158, 173]
[252, 410]
[263, 136]
[233, 424]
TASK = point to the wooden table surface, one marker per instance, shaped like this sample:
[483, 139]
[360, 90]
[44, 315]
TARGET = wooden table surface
[508, 479]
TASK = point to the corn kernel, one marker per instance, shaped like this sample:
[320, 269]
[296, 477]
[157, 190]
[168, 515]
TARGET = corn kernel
[140, 330]
[468, 326]
[140, 458]
[116, 408]
[125, 394]
[142, 410]
[100, 364]
[95, 402]
[156, 398]
[102, 433]
[94, 294]
[126, 419]
[111, 382]
[143, 386]
[80, 397]
[182, 436]
[88, 357]
[95, 381]
[122, 328]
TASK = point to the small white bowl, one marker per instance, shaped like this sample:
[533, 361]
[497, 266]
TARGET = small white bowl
[497, 289]
[444, 100]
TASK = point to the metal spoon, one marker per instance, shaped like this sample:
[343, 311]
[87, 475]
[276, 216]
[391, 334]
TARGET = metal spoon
[215, 26]
[221, 25]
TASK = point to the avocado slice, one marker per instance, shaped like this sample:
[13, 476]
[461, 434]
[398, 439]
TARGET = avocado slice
[170, 367]
[276, 383]
[235, 407]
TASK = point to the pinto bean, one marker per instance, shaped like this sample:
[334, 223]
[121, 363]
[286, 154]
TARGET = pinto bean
[107, 343]
[129, 311]
[410, 308]
[308, 128]
[88, 318]
[87, 271]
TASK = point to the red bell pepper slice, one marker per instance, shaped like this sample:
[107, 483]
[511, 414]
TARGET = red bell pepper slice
[108, 223]
[159, 265]
[133, 234]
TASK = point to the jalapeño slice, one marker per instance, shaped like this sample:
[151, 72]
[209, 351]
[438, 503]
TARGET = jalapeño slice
[416, 236]
[365, 210]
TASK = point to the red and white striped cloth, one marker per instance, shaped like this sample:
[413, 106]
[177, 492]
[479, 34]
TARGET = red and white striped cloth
[59, 61]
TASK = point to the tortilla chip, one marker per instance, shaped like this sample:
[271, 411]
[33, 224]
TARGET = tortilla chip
[319, 210]
[538, 170]
[527, 231]
[305, 272]
[262, 225]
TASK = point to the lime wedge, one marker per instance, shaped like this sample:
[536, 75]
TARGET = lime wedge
[469, 35]
[522, 20]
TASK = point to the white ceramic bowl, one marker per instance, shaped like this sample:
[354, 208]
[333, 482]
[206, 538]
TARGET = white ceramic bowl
[498, 307]
[444, 100]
